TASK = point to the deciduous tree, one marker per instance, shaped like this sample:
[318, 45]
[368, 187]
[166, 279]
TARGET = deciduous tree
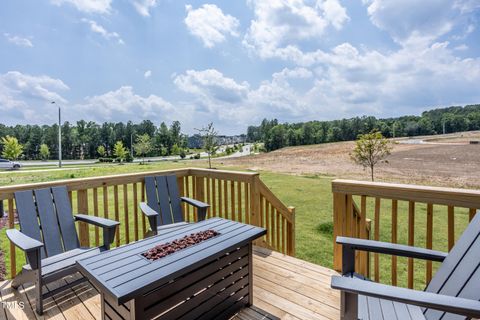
[120, 151]
[370, 149]
[209, 138]
[12, 149]
[143, 146]
[44, 152]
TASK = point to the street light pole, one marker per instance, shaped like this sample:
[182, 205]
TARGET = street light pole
[59, 136]
[131, 145]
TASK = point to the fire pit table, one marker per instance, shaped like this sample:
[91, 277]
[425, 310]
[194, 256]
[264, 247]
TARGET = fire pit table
[201, 271]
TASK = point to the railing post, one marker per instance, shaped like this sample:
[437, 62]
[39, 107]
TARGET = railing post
[291, 233]
[82, 207]
[199, 192]
[255, 201]
[339, 227]
[11, 225]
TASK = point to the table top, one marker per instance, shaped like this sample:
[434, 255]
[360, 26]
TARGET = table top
[124, 273]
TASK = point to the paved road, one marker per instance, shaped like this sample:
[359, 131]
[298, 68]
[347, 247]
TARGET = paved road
[421, 141]
[85, 163]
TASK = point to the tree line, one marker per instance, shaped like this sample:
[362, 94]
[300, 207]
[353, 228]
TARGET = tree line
[90, 140]
[277, 135]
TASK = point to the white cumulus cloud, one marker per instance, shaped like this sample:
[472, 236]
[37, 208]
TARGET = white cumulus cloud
[124, 104]
[17, 40]
[95, 27]
[281, 25]
[27, 98]
[88, 6]
[143, 6]
[419, 23]
[210, 24]
[147, 74]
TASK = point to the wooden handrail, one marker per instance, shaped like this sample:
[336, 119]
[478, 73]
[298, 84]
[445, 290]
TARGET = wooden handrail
[446, 196]
[267, 193]
[6, 192]
[350, 220]
[235, 195]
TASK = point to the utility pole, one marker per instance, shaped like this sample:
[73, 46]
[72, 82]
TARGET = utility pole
[59, 136]
[131, 144]
[443, 126]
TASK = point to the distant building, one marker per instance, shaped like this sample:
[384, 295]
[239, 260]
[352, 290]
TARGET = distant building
[195, 141]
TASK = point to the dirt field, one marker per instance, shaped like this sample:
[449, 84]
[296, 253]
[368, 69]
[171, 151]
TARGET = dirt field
[445, 164]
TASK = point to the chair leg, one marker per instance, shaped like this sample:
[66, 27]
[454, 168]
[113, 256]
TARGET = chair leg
[38, 292]
[21, 278]
[348, 306]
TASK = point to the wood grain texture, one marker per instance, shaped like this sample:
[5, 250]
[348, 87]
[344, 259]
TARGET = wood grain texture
[82, 207]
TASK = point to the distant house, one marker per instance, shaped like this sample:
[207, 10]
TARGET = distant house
[195, 141]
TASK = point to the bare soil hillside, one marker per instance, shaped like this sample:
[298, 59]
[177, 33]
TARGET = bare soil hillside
[443, 164]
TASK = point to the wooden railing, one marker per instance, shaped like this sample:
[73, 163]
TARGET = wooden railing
[429, 217]
[239, 196]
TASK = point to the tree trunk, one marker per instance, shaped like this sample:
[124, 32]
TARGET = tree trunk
[209, 161]
[371, 171]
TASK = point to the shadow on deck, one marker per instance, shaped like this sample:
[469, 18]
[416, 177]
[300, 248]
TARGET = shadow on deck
[284, 288]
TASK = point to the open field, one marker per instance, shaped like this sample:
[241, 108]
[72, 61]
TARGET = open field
[456, 165]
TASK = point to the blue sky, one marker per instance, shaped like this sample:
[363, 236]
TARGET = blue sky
[235, 62]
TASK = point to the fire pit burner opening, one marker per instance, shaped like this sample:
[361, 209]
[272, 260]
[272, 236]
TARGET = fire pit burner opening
[168, 248]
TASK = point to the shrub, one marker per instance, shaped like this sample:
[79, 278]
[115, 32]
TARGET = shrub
[182, 154]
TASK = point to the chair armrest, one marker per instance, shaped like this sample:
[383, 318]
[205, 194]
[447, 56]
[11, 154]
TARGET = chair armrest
[201, 207]
[147, 210]
[466, 307]
[195, 203]
[97, 221]
[151, 215]
[392, 248]
[109, 227]
[23, 241]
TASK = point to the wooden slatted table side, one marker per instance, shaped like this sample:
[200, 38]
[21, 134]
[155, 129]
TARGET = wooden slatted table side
[211, 279]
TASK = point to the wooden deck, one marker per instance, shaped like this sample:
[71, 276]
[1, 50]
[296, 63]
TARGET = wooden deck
[284, 288]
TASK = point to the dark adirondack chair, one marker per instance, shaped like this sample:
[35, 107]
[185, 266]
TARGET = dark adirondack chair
[453, 293]
[163, 207]
[49, 239]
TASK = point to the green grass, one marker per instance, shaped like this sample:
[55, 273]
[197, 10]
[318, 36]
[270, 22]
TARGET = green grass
[310, 195]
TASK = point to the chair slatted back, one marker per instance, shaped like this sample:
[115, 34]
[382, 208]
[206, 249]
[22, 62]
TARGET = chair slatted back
[459, 274]
[46, 215]
[65, 218]
[163, 197]
[28, 216]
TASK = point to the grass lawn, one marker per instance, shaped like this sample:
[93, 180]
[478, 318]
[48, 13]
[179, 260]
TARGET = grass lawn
[312, 197]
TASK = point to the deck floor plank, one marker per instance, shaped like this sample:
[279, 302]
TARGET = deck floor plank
[285, 288]
[11, 300]
[68, 302]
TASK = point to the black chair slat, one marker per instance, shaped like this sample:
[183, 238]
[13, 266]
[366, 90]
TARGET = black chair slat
[401, 310]
[454, 256]
[65, 218]
[152, 198]
[388, 310]
[175, 198]
[374, 308]
[458, 271]
[27, 216]
[48, 222]
[163, 198]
